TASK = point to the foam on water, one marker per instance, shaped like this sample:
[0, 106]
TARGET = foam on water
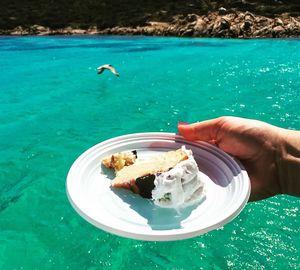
[54, 106]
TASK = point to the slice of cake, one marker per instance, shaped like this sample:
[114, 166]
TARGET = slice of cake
[171, 179]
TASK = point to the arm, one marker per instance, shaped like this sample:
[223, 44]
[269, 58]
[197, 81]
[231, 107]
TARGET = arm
[289, 162]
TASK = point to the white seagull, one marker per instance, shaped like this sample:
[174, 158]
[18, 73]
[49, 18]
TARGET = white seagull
[108, 67]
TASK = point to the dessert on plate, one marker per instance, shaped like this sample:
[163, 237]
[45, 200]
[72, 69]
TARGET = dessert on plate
[171, 179]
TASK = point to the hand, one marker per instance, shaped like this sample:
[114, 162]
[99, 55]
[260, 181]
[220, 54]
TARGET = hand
[258, 145]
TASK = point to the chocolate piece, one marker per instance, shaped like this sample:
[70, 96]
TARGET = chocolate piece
[135, 153]
[146, 185]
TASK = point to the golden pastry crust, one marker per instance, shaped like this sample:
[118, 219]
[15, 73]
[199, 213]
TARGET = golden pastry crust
[119, 160]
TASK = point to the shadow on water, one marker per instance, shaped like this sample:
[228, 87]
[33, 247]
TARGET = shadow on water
[32, 47]
[120, 46]
[138, 49]
[7, 201]
[158, 218]
[158, 47]
[103, 87]
[202, 44]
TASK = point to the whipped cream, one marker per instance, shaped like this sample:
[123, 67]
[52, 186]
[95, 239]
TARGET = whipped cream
[179, 187]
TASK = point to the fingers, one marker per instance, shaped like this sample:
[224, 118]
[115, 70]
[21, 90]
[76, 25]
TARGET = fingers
[201, 131]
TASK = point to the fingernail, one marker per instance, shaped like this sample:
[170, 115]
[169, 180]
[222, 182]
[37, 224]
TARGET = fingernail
[182, 123]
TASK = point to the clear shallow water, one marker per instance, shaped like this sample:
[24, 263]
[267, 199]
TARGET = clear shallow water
[53, 106]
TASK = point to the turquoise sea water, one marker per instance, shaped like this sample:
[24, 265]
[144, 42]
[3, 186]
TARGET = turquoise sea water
[54, 106]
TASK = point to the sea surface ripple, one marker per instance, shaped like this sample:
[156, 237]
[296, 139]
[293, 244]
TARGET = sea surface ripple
[54, 106]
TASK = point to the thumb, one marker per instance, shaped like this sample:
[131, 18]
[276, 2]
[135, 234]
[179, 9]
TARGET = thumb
[201, 131]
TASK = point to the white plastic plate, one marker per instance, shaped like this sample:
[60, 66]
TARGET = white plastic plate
[126, 214]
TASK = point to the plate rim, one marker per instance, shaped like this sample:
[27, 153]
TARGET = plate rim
[157, 235]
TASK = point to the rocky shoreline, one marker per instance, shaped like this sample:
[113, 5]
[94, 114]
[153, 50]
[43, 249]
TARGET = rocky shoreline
[223, 23]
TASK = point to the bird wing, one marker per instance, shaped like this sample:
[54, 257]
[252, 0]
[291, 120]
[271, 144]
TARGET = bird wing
[100, 70]
[113, 70]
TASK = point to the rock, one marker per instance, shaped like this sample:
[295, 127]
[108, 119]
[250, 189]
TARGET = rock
[246, 26]
[241, 16]
[188, 33]
[229, 17]
[297, 23]
[222, 11]
[106, 31]
[234, 31]
[78, 32]
[92, 30]
[200, 26]
[39, 30]
[249, 16]
[265, 31]
[278, 31]
[191, 24]
[224, 24]
[191, 17]
[278, 21]
[19, 31]
[289, 26]
[205, 19]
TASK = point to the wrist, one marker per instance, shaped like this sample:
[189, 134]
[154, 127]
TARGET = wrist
[288, 162]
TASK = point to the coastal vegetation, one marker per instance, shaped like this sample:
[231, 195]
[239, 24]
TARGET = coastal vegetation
[52, 16]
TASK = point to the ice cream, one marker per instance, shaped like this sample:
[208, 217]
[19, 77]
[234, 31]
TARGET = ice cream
[180, 186]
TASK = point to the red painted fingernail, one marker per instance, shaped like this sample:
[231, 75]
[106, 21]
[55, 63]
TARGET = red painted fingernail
[182, 123]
